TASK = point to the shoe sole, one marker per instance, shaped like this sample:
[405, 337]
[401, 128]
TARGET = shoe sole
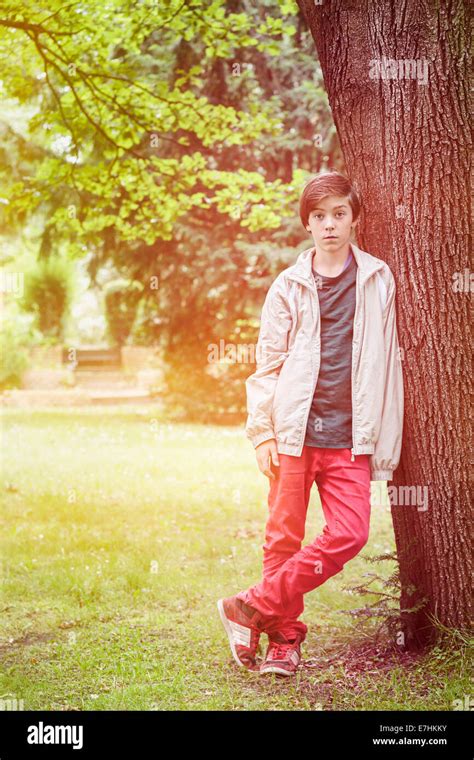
[277, 670]
[228, 630]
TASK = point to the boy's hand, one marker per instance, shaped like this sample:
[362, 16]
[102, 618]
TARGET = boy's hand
[267, 455]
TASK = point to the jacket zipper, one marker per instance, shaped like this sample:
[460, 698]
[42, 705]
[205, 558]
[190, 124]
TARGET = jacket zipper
[317, 372]
[353, 364]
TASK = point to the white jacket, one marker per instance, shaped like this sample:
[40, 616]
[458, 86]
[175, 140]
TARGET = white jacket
[280, 391]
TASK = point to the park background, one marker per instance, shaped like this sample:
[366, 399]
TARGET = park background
[152, 156]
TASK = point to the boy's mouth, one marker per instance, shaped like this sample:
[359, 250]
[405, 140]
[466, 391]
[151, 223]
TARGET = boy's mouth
[330, 237]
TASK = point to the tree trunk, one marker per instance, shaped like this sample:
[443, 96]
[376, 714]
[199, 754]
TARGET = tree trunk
[405, 137]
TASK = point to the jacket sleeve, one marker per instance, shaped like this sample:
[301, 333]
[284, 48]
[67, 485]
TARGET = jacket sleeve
[271, 352]
[387, 449]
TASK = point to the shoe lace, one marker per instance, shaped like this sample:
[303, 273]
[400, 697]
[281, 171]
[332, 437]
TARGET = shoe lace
[279, 651]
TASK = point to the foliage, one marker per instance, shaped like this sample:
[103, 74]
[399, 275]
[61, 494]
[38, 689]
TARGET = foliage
[171, 141]
[48, 294]
[136, 116]
[199, 396]
[133, 145]
[16, 336]
[121, 297]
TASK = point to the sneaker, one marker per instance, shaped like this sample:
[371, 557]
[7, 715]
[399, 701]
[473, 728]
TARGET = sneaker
[242, 624]
[283, 656]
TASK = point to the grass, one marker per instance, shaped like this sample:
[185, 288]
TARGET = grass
[121, 531]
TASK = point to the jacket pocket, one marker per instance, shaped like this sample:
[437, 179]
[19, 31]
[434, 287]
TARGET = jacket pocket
[291, 397]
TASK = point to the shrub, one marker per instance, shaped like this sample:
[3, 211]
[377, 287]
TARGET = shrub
[15, 338]
[121, 303]
[48, 293]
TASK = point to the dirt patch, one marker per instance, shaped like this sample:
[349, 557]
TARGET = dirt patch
[362, 657]
[25, 641]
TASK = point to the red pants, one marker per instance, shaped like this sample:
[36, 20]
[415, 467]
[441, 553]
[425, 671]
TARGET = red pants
[290, 571]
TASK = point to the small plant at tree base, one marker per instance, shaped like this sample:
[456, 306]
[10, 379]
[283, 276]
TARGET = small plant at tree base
[386, 608]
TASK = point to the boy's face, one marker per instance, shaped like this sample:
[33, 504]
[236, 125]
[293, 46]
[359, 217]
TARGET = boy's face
[331, 223]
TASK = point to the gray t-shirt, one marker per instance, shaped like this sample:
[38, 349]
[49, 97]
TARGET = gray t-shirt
[330, 417]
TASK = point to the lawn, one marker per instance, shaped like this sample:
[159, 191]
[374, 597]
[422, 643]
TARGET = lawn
[120, 531]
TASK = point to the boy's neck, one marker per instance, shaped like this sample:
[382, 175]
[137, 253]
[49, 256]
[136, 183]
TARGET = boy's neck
[330, 263]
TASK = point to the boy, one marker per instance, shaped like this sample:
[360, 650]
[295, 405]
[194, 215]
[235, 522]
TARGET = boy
[325, 405]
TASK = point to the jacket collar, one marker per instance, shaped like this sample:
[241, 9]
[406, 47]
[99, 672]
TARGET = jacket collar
[301, 271]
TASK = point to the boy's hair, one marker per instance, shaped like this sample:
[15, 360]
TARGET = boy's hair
[322, 185]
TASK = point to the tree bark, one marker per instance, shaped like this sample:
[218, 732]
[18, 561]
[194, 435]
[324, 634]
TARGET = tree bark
[406, 144]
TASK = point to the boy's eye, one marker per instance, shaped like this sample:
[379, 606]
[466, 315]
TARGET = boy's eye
[321, 216]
